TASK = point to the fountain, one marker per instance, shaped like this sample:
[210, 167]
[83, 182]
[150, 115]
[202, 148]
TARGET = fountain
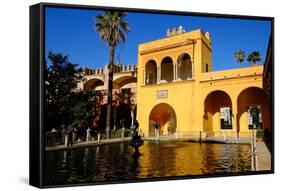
[136, 140]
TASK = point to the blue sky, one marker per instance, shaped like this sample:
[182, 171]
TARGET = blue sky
[71, 32]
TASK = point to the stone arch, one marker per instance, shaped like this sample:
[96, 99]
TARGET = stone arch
[92, 84]
[165, 116]
[124, 81]
[151, 72]
[252, 97]
[167, 69]
[184, 67]
[213, 103]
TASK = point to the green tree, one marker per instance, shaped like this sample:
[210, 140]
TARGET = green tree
[254, 57]
[239, 56]
[84, 109]
[60, 81]
[112, 29]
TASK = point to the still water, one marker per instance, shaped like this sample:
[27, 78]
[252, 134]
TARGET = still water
[159, 159]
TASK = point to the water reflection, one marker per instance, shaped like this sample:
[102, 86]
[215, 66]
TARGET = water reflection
[159, 159]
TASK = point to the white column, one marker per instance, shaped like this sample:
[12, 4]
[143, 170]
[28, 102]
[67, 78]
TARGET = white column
[234, 111]
[175, 72]
[158, 74]
[88, 137]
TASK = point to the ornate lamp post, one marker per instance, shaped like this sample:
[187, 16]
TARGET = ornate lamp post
[136, 140]
[133, 106]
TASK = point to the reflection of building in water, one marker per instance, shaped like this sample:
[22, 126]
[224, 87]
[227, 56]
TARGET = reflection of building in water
[177, 89]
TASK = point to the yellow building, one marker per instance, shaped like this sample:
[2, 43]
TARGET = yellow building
[178, 90]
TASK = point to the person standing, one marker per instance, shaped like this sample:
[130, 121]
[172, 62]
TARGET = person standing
[69, 135]
[156, 127]
[88, 137]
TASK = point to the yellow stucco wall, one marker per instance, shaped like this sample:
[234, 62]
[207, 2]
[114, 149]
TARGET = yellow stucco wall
[187, 97]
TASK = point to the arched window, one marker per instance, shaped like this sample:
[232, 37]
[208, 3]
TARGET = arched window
[167, 70]
[150, 72]
[184, 67]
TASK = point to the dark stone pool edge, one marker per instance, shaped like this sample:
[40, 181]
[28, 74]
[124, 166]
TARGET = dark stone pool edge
[120, 140]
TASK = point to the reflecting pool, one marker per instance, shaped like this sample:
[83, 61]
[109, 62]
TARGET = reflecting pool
[159, 159]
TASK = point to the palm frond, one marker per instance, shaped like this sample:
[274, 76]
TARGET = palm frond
[254, 57]
[239, 56]
[112, 27]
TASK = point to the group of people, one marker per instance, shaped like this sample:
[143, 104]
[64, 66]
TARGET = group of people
[69, 135]
[157, 128]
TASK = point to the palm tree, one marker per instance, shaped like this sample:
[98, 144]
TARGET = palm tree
[239, 56]
[112, 29]
[254, 57]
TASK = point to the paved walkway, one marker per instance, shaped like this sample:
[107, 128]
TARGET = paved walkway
[196, 139]
[89, 143]
[264, 157]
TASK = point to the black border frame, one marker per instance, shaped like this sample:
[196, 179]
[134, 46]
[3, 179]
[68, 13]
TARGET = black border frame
[37, 56]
